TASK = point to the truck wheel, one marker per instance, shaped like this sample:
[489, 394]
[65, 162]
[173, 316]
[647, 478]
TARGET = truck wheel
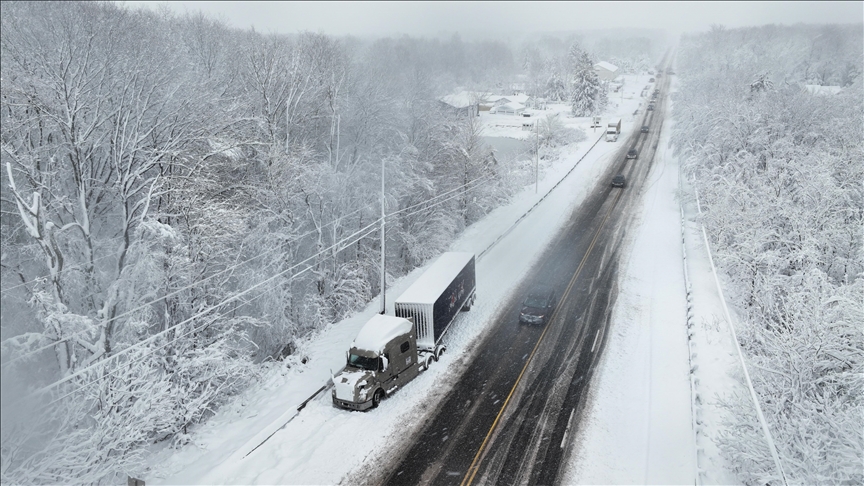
[439, 351]
[376, 398]
[428, 362]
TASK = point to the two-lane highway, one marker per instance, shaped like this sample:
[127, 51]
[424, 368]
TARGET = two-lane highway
[508, 419]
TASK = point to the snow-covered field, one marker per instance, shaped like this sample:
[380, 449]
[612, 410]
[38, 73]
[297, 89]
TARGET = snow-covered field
[322, 444]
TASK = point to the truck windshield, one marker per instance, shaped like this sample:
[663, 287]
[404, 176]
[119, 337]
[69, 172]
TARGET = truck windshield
[363, 362]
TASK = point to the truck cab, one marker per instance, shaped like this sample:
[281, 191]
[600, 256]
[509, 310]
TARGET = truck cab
[381, 359]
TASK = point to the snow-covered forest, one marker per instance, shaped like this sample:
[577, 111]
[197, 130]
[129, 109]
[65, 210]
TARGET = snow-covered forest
[778, 169]
[182, 201]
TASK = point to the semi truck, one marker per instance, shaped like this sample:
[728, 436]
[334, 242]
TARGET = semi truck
[390, 351]
[613, 130]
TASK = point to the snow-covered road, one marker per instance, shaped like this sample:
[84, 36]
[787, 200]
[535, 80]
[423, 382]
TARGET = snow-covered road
[325, 445]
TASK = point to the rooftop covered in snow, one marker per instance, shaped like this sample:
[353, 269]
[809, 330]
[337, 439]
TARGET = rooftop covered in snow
[434, 281]
[607, 66]
[380, 330]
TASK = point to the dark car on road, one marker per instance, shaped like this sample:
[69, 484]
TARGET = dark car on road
[632, 153]
[651, 107]
[618, 181]
[538, 306]
[644, 128]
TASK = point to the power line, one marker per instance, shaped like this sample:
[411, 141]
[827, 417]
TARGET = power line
[199, 314]
[238, 295]
[170, 294]
[199, 282]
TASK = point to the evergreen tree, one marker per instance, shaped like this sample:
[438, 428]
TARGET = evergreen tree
[585, 86]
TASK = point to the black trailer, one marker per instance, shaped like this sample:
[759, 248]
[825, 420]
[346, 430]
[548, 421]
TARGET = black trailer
[435, 299]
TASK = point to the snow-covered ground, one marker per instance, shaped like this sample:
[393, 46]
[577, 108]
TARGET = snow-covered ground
[638, 424]
[511, 126]
[322, 444]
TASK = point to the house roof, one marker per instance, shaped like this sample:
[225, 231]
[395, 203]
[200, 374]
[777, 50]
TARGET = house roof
[512, 106]
[607, 66]
[520, 98]
[462, 99]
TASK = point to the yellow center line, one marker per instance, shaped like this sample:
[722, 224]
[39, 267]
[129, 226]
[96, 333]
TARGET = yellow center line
[475, 465]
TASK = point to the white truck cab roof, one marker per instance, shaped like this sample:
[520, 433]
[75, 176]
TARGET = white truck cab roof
[379, 331]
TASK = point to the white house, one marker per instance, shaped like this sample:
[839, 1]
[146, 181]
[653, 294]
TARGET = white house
[463, 102]
[511, 108]
[606, 71]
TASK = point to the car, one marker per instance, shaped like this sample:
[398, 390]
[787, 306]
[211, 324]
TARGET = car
[619, 181]
[632, 154]
[651, 107]
[538, 305]
[644, 129]
[657, 91]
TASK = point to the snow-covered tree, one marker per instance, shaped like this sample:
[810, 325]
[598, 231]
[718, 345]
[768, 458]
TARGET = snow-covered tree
[585, 86]
[774, 174]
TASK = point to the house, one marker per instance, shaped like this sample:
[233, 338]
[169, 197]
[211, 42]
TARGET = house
[822, 90]
[511, 108]
[466, 102]
[606, 71]
[536, 103]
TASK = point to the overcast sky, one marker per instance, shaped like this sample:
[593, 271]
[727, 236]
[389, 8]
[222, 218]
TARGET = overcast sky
[480, 18]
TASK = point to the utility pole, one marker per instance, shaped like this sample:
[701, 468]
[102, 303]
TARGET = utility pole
[383, 270]
[536, 155]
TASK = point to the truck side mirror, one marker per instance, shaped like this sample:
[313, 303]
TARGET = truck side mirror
[384, 364]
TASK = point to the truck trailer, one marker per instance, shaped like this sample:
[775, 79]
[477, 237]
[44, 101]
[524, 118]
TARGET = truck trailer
[390, 351]
[613, 130]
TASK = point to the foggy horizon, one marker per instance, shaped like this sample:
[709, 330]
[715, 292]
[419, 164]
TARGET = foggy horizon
[479, 20]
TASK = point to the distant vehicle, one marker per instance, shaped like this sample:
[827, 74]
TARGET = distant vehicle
[651, 80]
[390, 351]
[656, 91]
[613, 129]
[618, 181]
[644, 129]
[632, 153]
[538, 306]
[651, 107]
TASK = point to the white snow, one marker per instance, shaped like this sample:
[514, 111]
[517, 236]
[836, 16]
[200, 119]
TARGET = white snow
[638, 426]
[607, 66]
[462, 99]
[822, 90]
[434, 281]
[379, 331]
[347, 382]
[325, 445]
